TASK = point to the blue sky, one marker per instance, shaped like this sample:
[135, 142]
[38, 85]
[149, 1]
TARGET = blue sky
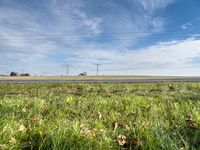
[127, 37]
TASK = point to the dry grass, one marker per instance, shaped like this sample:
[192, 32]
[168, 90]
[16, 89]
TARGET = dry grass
[90, 77]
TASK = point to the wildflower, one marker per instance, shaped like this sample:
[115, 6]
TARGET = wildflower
[22, 128]
[69, 99]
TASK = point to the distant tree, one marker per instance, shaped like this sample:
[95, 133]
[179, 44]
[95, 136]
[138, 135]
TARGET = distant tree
[25, 74]
[12, 74]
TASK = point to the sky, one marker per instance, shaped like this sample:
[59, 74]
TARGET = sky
[127, 37]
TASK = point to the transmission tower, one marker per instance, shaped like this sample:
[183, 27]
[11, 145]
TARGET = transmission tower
[67, 73]
[97, 68]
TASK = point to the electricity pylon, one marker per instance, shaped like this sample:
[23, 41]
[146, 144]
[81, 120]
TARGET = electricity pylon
[97, 68]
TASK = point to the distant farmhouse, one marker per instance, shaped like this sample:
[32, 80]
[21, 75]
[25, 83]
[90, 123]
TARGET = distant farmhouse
[13, 74]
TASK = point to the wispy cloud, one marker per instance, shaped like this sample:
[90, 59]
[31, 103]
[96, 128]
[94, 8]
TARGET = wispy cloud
[41, 38]
[186, 26]
[162, 57]
[151, 6]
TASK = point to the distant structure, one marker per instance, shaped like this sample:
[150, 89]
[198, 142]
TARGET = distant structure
[97, 68]
[67, 73]
[25, 74]
[13, 74]
[83, 74]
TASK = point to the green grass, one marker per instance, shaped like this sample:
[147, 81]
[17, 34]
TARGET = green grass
[100, 116]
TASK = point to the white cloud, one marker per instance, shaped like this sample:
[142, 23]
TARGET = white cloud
[158, 24]
[93, 25]
[61, 39]
[153, 5]
[170, 58]
[186, 26]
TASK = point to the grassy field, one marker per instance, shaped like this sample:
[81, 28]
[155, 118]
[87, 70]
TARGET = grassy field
[100, 116]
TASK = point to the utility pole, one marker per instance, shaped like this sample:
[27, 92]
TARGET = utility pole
[67, 73]
[97, 68]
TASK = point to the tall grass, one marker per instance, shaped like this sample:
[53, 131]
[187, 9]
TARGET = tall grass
[100, 116]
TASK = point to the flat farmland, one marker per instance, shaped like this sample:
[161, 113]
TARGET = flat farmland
[100, 116]
[99, 79]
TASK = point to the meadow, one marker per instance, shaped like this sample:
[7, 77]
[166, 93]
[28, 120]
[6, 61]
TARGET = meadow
[103, 116]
